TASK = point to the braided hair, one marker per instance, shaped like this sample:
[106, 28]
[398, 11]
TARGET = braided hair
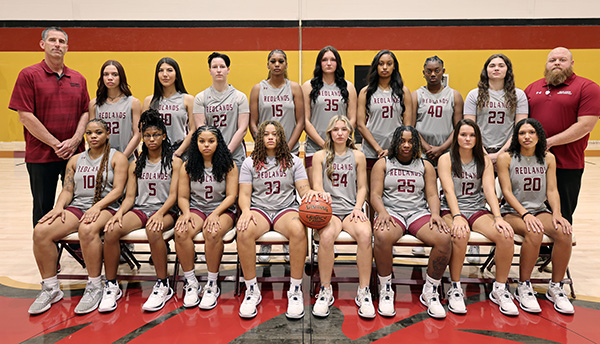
[282, 151]
[277, 51]
[222, 162]
[149, 119]
[100, 180]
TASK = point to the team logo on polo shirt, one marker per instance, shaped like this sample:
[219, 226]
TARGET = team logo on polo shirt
[75, 84]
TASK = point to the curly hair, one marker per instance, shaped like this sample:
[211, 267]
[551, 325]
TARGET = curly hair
[329, 149]
[100, 181]
[397, 141]
[158, 88]
[510, 95]
[478, 154]
[396, 82]
[277, 51]
[282, 151]
[317, 81]
[540, 147]
[222, 162]
[102, 91]
[152, 119]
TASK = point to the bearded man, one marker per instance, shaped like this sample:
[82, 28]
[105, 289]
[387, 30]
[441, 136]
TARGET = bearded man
[568, 107]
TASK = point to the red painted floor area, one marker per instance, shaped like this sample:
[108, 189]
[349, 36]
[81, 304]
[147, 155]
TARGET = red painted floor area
[483, 323]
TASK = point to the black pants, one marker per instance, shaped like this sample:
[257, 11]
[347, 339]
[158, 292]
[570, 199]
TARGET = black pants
[569, 184]
[43, 179]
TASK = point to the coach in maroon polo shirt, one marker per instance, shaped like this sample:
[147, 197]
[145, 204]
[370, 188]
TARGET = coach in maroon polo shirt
[568, 107]
[52, 102]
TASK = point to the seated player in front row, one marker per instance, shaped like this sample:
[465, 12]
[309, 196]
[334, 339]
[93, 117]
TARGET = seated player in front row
[527, 174]
[340, 170]
[208, 187]
[269, 180]
[93, 183]
[467, 177]
[404, 195]
[149, 202]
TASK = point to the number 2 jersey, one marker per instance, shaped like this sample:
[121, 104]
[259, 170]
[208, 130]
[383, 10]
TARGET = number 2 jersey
[207, 195]
[494, 119]
[222, 109]
[84, 180]
[404, 187]
[153, 187]
[329, 103]
[343, 186]
[273, 188]
[468, 190]
[120, 122]
[277, 104]
[385, 115]
[528, 182]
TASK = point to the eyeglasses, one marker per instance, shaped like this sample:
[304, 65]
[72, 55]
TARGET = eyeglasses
[154, 136]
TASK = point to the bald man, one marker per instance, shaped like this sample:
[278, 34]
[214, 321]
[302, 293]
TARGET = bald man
[568, 107]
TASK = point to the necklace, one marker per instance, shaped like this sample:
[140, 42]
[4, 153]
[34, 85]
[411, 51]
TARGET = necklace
[112, 99]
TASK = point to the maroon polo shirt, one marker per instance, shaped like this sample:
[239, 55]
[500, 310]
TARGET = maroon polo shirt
[57, 102]
[559, 108]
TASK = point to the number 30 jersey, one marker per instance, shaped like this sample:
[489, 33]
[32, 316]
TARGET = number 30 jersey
[468, 190]
[152, 188]
[207, 195]
[404, 186]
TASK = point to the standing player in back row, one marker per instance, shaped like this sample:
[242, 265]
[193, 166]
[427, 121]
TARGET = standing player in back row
[224, 107]
[281, 100]
[327, 94]
[437, 109]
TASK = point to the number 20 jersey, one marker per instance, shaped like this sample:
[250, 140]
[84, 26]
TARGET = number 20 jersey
[528, 182]
[404, 186]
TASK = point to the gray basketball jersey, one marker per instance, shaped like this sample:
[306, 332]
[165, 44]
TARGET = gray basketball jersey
[329, 103]
[435, 112]
[343, 186]
[273, 188]
[152, 187]
[404, 186]
[494, 119]
[207, 195]
[222, 110]
[277, 104]
[468, 190]
[385, 115]
[175, 116]
[84, 179]
[120, 122]
[528, 181]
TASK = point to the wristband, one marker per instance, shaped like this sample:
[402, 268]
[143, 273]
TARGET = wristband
[456, 215]
[526, 213]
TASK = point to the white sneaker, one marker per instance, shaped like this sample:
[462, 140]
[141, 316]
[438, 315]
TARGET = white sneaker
[431, 300]
[295, 308]
[504, 299]
[324, 301]
[473, 250]
[286, 250]
[191, 299]
[526, 296]
[45, 299]
[386, 301]
[364, 302]
[558, 296]
[251, 300]
[456, 301]
[418, 251]
[90, 299]
[263, 256]
[158, 298]
[111, 294]
[210, 295]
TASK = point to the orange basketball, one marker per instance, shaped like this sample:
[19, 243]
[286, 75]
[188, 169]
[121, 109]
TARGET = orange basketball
[315, 213]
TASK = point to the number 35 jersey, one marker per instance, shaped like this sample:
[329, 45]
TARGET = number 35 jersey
[468, 190]
[329, 103]
[404, 186]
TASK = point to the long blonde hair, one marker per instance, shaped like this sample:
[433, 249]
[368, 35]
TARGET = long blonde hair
[329, 149]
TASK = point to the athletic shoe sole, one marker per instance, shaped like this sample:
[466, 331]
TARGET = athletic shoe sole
[500, 306]
[556, 307]
[106, 310]
[169, 296]
[436, 316]
[57, 298]
[207, 308]
[366, 316]
[250, 316]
